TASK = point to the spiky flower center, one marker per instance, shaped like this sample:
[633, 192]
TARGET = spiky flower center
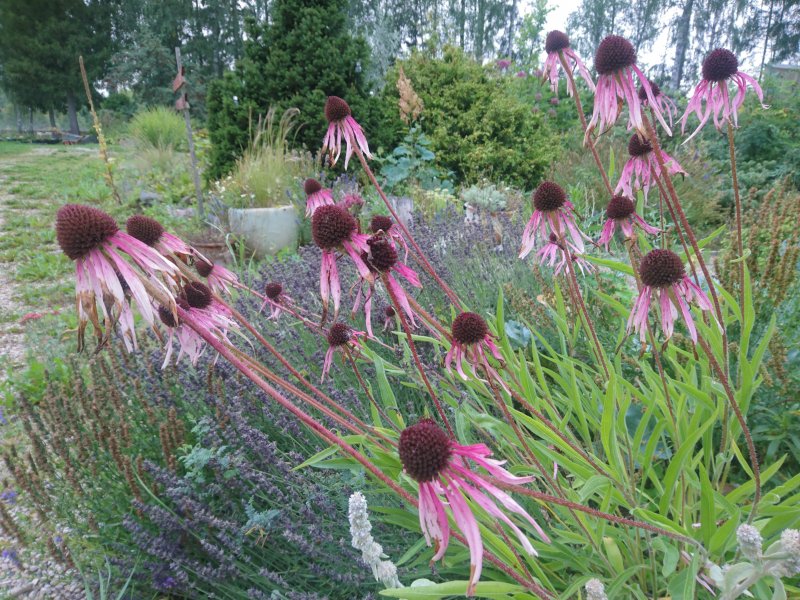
[638, 146]
[331, 225]
[614, 54]
[620, 207]
[653, 88]
[661, 268]
[380, 223]
[549, 196]
[389, 312]
[166, 316]
[311, 186]
[425, 450]
[274, 290]
[336, 109]
[197, 294]
[146, 230]
[555, 41]
[719, 65]
[381, 253]
[469, 328]
[204, 267]
[338, 334]
[80, 229]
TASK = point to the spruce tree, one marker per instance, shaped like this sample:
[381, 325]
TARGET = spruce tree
[301, 56]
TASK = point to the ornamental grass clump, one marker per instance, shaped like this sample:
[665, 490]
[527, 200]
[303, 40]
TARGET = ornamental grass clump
[629, 457]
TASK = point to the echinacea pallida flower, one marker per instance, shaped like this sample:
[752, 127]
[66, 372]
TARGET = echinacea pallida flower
[441, 467]
[471, 341]
[663, 102]
[719, 67]
[103, 277]
[621, 211]
[552, 213]
[385, 224]
[151, 232]
[663, 275]
[316, 195]
[340, 337]
[342, 126]
[333, 228]
[637, 174]
[276, 299]
[615, 63]
[554, 254]
[556, 45]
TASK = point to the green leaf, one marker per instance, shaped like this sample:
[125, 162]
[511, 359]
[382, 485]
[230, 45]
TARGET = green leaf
[494, 590]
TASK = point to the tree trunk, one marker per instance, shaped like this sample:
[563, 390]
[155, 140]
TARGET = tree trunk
[681, 44]
[30, 125]
[72, 113]
[479, 30]
[19, 119]
[52, 114]
[766, 43]
[462, 22]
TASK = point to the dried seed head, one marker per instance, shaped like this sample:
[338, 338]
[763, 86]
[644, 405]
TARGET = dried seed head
[166, 316]
[203, 267]
[555, 41]
[382, 255]
[338, 334]
[146, 230]
[661, 268]
[311, 186]
[613, 54]
[274, 290]
[197, 294]
[469, 328]
[638, 147]
[336, 109]
[380, 223]
[331, 225]
[549, 196]
[620, 207]
[80, 229]
[653, 88]
[425, 450]
[719, 65]
[389, 312]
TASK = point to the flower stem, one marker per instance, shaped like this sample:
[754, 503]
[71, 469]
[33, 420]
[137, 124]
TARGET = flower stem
[738, 200]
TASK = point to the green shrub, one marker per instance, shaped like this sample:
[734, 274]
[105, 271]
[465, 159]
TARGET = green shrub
[158, 127]
[477, 126]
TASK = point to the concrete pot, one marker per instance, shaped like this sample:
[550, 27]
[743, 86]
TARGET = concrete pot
[266, 231]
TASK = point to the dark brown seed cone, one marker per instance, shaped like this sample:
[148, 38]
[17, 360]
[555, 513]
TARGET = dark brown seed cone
[146, 230]
[425, 450]
[661, 268]
[614, 53]
[381, 254]
[638, 147]
[338, 334]
[653, 88]
[198, 295]
[203, 267]
[166, 316]
[336, 109]
[549, 196]
[80, 229]
[389, 312]
[555, 41]
[311, 186]
[274, 290]
[620, 207]
[719, 65]
[331, 225]
[469, 328]
[380, 223]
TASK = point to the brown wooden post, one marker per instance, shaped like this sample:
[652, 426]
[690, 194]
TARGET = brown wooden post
[182, 105]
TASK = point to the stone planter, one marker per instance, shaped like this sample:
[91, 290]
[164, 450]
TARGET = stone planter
[266, 231]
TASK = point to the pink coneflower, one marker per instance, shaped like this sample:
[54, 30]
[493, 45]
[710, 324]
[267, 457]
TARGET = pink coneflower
[276, 299]
[341, 124]
[333, 228]
[554, 254]
[382, 258]
[340, 337]
[350, 201]
[662, 273]
[621, 211]
[93, 240]
[441, 468]
[152, 233]
[521, 74]
[557, 45]
[389, 318]
[719, 67]
[382, 223]
[503, 64]
[197, 299]
[471, 341]
[638, 171]
[615, 63]
[663, 102]
[552, 213]
[316, 195]
[219, 279]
